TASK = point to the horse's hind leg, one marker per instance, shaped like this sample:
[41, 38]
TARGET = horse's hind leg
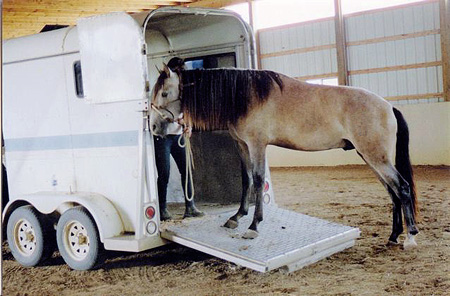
[247, 185]
[400, 192]
[397, 220]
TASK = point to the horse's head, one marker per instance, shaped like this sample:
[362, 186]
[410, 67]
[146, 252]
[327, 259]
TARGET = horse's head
[166, 103]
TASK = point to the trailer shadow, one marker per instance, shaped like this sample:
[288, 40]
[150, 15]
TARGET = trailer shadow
[168, 254]
[54, 260]
[6, 253]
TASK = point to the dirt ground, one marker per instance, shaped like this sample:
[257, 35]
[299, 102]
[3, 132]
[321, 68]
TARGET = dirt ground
[349, 195]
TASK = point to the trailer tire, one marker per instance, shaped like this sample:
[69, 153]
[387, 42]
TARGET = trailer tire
[78, 239]
[31, 237]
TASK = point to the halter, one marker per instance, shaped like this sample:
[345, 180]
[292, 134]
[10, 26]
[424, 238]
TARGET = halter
[157, 110]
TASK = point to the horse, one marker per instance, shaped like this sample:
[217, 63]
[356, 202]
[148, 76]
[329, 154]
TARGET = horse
[261, 107]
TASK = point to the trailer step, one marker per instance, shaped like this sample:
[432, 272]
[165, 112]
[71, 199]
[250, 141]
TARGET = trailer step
[286, 239]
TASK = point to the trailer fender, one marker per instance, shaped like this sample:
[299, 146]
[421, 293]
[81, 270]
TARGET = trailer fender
[105, 215]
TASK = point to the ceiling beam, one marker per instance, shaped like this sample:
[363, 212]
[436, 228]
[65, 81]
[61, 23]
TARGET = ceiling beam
[64, 13]
[25, 17]
[22, 8]
[38, 3]
[215, 3]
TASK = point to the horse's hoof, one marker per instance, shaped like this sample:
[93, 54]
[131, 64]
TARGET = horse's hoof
[392, 243]
[231, 224]
[250, 234]
[414, 230]
[409, 242]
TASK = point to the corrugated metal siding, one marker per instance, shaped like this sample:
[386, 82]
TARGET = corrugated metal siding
[304, 49]
[302, 35]
[394, 52]
[420, 48]
[411, 19]
[303, 64]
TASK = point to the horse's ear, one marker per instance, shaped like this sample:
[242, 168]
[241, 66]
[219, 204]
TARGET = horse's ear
[166, 69]
[159, 71]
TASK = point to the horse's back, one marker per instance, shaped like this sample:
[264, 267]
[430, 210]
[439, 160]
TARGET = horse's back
[312, 117]
[339, 104]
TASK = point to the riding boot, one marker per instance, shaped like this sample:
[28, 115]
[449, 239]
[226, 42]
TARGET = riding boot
[164, 214]
[191, 210]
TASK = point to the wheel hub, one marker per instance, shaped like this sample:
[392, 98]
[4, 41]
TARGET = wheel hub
[77, 240]
[25, 237]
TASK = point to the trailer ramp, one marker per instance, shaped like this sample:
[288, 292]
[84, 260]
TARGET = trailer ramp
[286, 239]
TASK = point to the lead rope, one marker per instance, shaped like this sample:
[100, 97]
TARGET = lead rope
[189, 164]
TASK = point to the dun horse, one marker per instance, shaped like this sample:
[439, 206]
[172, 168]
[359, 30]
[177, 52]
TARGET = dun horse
[261, 108]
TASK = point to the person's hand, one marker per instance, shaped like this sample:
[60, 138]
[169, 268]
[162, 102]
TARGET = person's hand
[180, 121]
[187, 131]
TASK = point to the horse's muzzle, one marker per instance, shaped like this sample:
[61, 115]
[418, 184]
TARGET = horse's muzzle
[159, 128]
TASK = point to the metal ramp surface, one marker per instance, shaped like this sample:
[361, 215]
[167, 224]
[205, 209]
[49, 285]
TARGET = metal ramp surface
[286, 238]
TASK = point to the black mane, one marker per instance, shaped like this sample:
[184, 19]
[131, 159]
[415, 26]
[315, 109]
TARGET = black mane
[213, 98]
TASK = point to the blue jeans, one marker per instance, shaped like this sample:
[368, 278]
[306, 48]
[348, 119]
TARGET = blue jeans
[164, 147]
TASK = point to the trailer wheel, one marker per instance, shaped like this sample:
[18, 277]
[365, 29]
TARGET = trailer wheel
[78, 239]
[30, 236]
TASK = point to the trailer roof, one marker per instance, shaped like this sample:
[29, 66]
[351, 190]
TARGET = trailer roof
[169, 21]
[20, 18]
[47, 44]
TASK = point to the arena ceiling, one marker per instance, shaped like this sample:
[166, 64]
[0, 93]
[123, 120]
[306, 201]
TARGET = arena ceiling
[24, 17]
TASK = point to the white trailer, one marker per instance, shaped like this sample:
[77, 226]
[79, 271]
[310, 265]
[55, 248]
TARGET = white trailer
[80, 157]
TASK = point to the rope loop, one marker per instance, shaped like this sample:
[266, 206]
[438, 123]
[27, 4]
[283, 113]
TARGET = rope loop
[189, 164]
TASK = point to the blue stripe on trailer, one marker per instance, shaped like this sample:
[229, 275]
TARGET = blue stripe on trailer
[97, 140]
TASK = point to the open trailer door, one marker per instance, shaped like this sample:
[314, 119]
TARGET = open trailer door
[113, 58]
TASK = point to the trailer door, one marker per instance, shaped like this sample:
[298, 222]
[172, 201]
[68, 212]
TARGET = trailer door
[113, 58]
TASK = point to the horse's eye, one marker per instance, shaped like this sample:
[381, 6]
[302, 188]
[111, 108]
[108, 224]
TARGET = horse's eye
[164, 94]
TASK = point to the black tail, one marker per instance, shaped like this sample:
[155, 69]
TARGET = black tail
[402, 160]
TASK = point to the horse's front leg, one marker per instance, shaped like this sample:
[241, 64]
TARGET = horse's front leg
[233, 221]
[247, 185]
[258, 174]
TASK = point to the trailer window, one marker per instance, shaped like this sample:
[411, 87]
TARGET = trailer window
[78, 79]
[226, 60]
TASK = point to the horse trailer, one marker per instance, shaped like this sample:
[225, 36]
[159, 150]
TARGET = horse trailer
[80, 157]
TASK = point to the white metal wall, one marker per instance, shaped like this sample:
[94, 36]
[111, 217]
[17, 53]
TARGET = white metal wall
[301, 50]
[394, 52]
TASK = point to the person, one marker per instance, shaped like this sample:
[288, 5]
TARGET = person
[164, 147]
